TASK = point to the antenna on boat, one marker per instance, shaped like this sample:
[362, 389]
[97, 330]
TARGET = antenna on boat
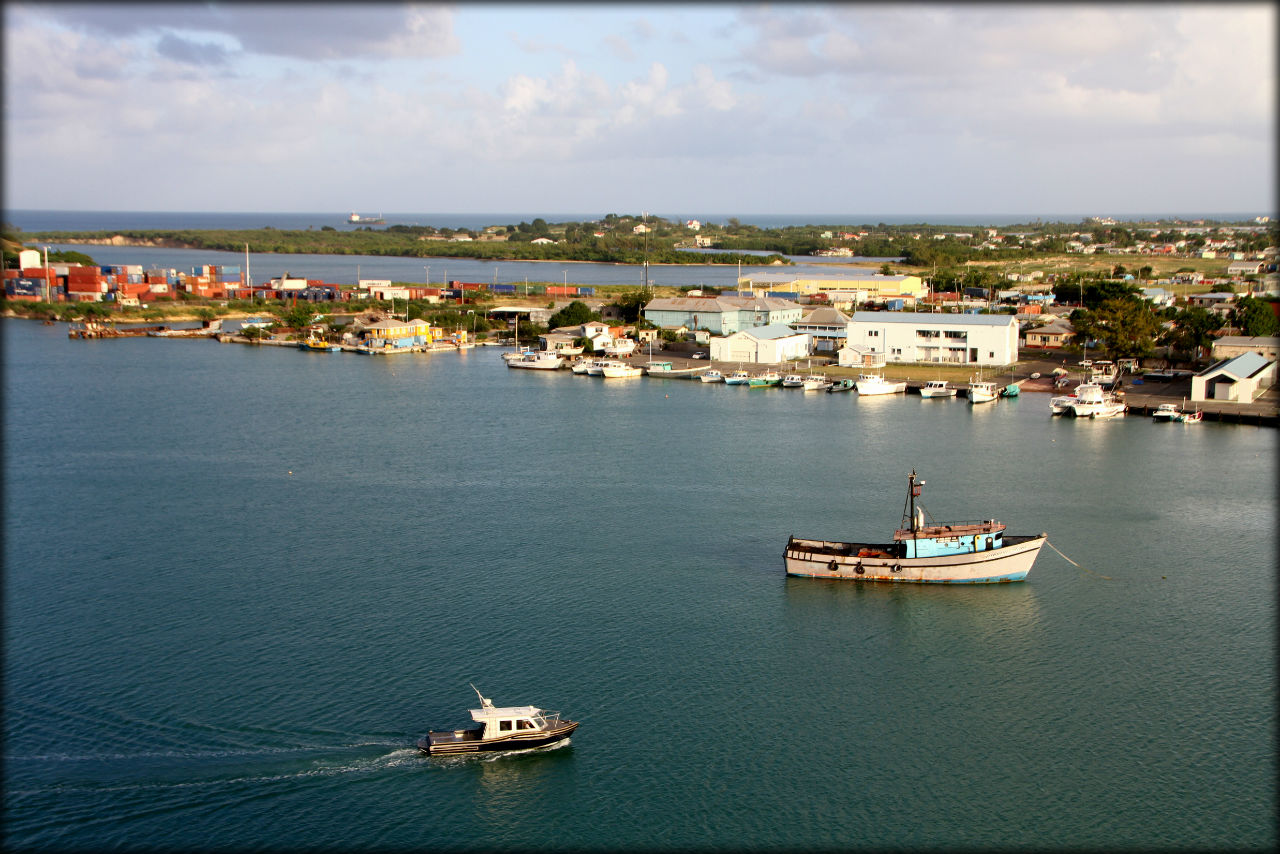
[485, 702]
[910, 516]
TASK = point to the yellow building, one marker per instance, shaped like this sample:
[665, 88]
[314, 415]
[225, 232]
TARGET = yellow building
[877, 286]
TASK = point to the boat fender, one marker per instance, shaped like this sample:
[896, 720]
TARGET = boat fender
[833, 566]
[897, 567]
[858, 569]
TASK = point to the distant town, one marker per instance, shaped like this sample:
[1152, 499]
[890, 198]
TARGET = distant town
[1160, 296]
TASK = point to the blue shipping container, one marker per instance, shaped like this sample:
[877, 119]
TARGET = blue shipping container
[503, 289]
[896, 304]
[586, 292]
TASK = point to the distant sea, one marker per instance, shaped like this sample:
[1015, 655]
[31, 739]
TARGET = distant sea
[63, 220]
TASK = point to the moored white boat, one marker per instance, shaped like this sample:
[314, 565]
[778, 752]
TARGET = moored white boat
[937, 388]
[793, 381]
[711, 376]
[1061, 404]
[877, 384]
[501, 729]
[1166, 412]
[615, 370]
[960, 552]
[737, 378]
[981, 391]
[1093, 402]
[816, 382]
[537, 360]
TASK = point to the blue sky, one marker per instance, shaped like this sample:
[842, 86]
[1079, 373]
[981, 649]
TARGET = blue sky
[728, 108]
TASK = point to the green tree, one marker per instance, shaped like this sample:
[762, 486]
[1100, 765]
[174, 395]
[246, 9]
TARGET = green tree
[1127, 327]
[630, 305]
[574, 314]
[1255, 317]
[1193, 331]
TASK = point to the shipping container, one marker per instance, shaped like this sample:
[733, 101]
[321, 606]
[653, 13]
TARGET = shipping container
[895, 304]
[133, 269]
[451, 293]
[503, 289]
[562, 291]
[586, 292]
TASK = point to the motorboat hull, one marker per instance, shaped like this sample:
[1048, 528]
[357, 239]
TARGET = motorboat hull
[453, 742]
[877, 562]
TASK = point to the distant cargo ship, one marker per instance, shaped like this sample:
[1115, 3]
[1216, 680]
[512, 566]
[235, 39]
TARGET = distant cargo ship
[356, 219]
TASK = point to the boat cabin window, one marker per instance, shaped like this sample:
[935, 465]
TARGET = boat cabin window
[524, 724]
[504, 726]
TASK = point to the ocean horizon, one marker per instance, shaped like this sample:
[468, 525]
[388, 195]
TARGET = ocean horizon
[31, 219]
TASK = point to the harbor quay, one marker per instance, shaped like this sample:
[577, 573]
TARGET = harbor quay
[1035, 376]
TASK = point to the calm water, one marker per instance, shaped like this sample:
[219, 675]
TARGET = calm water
[241, 582]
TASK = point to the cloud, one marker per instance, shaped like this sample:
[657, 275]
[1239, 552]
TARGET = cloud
[311, 32]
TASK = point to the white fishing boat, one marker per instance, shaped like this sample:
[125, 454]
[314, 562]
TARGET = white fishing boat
[517, 354]
[1061, 404]
[581, 366]
[1092, 401]
[793, 381]
[538, 360]
[738, 378]
[617, 370]
[711, 376]
[877, 384]
[981, 391]
[816, 382]
[921, 551]
[937, 388]
[1167, 412]
[502, 728]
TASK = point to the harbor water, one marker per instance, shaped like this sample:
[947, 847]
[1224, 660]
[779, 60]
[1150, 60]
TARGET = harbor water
[241, 582]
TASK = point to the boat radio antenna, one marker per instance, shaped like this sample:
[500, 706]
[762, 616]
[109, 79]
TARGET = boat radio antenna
[485, 702]
[909, 517]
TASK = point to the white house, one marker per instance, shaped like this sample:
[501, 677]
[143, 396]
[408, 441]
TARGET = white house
[764, 344]
[961, 339]
[1239, 379]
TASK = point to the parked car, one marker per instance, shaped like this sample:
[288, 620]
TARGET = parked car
[700, 355]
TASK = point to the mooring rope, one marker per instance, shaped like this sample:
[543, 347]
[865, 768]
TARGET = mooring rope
[1073, 563]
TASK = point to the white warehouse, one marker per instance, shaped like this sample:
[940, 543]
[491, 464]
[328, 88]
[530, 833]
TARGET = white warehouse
[955, 339]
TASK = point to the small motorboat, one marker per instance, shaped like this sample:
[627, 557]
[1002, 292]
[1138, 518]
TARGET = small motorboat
[793, 381]
[843, 384]
[711, 376]
[816, 382]
[738, 378]
[501, 728]
[1166, 412]
[937, 388]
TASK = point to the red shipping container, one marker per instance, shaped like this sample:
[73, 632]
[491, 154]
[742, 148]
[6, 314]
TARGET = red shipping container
[13, 274]
[34, 272]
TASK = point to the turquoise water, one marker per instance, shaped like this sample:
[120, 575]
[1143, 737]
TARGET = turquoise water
[241, 582]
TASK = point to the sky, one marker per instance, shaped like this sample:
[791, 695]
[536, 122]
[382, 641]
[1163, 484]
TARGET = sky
[731, 108]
